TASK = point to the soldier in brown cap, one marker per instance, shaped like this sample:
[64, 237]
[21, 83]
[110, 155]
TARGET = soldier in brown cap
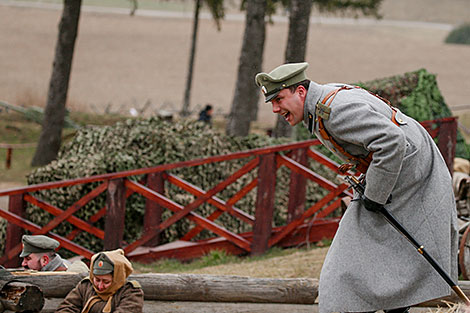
[107, 288]
[39, 254]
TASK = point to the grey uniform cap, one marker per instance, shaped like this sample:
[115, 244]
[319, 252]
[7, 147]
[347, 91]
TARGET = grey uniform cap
[37, 244]
[102, 265]
[280, 78]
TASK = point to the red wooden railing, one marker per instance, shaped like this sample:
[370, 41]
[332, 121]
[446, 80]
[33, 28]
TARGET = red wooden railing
[311, 224]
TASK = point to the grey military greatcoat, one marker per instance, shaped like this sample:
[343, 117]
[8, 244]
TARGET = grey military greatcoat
[369, 265]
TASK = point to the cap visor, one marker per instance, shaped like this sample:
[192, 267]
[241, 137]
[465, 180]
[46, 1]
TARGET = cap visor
[270, 97]
[24, 254]
[99, 271]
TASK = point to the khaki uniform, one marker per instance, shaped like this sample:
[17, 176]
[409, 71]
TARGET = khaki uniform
[127, 299]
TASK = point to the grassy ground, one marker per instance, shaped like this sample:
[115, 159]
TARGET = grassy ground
[16, 129]
[285, 263]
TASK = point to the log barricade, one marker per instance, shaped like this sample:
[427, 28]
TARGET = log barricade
[305, 223]
[202, 293]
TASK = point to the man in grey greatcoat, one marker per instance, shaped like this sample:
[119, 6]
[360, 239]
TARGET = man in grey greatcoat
[370, 266]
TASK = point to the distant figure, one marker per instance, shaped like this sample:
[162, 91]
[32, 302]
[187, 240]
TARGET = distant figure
[39, 254]
[107, 288]
[206, 114]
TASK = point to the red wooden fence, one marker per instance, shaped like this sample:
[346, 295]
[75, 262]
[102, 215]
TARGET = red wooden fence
[312, 223]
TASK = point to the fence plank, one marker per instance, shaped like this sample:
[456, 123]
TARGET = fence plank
[264, 204]
[16, 205]
[115, 214]
[152, 195]
[297, 188]
[153, 211]
[447, 142]
[35, 229]
[221, 205]
[309, 212]
[71, 219]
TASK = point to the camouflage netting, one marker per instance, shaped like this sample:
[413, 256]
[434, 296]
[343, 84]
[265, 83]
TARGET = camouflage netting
[144, 143]
[417, 95]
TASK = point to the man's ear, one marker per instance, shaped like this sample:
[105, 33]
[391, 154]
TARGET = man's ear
[44, 260]
[302, 91]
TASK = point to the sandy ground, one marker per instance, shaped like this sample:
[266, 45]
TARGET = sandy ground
[123, 62]
[5, 186]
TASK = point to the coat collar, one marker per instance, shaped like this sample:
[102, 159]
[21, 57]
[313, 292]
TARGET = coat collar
[313, 96]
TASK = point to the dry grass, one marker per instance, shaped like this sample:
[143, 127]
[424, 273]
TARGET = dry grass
[304, 263]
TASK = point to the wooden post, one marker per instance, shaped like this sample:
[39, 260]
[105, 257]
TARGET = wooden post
[264, 204]
[297, 187]
[16, 205]
[8, 160]
[447, 141]
[115, 215]
[153, 211]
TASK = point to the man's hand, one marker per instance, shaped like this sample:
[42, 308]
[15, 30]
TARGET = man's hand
[370, 205]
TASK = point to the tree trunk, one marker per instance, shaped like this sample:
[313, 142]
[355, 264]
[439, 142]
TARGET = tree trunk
[187, 91]
[295, 50]
[245, 101]
[54, 115]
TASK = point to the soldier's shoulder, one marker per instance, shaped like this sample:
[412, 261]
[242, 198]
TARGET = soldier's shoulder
[134, 284]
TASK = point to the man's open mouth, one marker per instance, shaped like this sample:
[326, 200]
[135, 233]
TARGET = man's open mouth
[286, 115]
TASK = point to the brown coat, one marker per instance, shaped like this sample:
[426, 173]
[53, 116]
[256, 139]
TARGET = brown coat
[128, 298]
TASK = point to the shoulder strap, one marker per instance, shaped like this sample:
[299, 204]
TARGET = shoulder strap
[362, 163]
[135, 283]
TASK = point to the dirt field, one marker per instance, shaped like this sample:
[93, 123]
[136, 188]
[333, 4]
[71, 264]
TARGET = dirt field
[123, 62]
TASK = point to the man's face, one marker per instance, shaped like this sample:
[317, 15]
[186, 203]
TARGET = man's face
[102, 282]
[33, 262]
[290, 105]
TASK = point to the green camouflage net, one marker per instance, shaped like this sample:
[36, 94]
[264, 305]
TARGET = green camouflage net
[417, 95]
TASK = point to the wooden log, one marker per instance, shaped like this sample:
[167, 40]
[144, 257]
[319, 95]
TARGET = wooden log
[21, 297]
[52, 284]
[204, 288]
[151, 306]
[190, 287]
[210, 288]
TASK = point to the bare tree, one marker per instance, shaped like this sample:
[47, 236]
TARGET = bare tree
[217, 10]
[296, 48]
[245, 100]
[54, 114]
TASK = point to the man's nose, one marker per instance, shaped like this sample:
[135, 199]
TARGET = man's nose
[276, 108]
[24, 263]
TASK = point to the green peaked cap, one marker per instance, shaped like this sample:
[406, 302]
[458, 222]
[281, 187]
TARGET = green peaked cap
[37, 244]
[280, 78]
